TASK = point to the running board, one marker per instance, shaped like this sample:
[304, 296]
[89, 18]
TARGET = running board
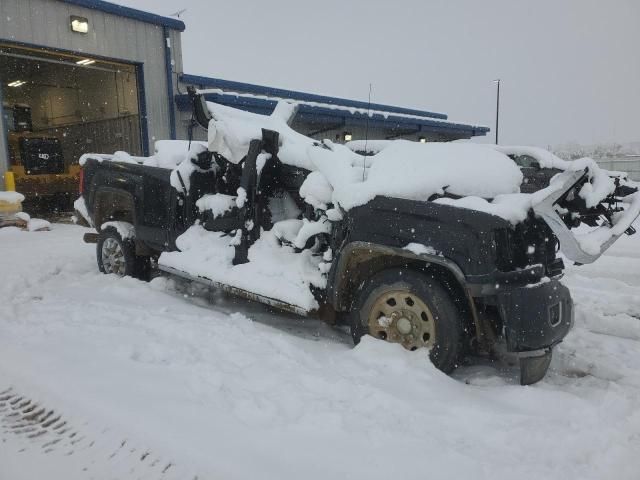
[272, 302]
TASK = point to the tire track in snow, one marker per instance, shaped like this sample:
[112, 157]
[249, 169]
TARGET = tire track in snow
[32, 428]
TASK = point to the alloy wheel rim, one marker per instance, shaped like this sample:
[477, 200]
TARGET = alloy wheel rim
[113, 259]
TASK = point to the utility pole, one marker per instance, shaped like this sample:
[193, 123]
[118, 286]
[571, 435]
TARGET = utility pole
[497, 82]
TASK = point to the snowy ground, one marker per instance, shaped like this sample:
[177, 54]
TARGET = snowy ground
[148, 381]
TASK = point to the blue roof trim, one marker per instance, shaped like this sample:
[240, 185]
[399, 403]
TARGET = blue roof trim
[326, 115]
[128, 12]
[240, 87]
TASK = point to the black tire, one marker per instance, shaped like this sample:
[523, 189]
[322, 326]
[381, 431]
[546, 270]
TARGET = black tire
[448, 322]
[132, 265]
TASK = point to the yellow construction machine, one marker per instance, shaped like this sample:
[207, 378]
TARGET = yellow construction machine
[37, 166]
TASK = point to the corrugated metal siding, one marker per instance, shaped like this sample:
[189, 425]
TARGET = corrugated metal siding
[46, 23]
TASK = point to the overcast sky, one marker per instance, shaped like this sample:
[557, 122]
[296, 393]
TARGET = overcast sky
[570, 69]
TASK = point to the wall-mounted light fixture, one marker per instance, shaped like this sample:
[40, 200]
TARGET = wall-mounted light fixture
[347, 136]
[422, 140]
[16, 83]
[86, 61]
[79, 24]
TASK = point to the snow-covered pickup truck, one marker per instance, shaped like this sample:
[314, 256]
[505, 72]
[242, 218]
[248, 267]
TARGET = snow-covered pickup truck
[427, 245]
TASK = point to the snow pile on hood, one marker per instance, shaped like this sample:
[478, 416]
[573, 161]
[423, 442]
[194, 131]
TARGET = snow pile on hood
[417, 171]
[515, 207]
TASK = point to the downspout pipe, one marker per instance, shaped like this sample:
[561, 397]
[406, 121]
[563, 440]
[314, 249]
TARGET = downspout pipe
[169, 69]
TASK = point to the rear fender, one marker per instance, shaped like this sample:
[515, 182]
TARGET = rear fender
[113, 204]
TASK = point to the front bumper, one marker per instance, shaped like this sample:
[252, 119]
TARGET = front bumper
[535, 317]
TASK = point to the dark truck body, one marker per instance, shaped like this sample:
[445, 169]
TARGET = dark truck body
[138, 194]
[482, 259]
[491, 282]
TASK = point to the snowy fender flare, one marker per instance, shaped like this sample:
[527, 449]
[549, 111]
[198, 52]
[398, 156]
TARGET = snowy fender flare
[413, 309]
[359, 253]
[117, 255]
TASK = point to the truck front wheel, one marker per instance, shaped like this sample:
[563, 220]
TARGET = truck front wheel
[117, 255]
[412, 309]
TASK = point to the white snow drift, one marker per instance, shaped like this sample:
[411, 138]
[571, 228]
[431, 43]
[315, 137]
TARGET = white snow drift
[228, 390]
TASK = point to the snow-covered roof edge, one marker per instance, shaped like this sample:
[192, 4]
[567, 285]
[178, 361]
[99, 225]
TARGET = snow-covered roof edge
[349, 109]
[230, 85]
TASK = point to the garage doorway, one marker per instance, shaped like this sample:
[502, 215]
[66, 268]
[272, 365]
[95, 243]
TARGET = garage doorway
[61, 106]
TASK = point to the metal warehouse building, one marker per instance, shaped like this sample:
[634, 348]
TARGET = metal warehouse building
[81, 76]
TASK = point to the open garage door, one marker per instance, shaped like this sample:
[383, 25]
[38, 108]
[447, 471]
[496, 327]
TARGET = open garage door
[57, 107]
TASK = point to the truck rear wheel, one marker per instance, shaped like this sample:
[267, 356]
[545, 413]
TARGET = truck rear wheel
[118, 256]
[412, 309]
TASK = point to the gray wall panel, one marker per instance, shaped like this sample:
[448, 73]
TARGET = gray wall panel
[46, 23]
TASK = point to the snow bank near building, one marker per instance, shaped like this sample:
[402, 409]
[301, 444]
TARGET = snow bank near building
[10, 206]
[12, 216]
[11, 197]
